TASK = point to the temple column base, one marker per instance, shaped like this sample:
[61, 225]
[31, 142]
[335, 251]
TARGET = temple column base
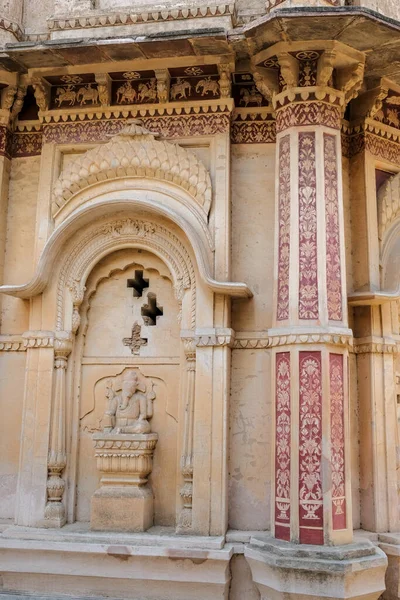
[122, 509]
[285, 571]
[390, 544]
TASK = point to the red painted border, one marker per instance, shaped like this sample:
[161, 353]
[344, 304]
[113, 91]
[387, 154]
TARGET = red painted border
[310, 449]
[282, 446]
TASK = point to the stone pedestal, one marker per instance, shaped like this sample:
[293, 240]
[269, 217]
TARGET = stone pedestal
[124, 502]
[390, 544]
[285, 571]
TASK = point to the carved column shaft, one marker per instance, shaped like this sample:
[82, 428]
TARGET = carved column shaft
[185, 517]
[57, 460]
[312, 503]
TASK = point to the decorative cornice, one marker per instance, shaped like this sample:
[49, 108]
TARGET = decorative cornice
[214, 337]
[12, 27]
[38, 339]
[12, 343]
[262, 341]
[208, 337]
[211, 9]
[375, 346]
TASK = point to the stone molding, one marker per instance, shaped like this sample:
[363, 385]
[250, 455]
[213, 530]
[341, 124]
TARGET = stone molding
[38, 339]
[12, 343]
[135, 152]
[208, 337]
[89, 21]
[12, 27]
[375, 346]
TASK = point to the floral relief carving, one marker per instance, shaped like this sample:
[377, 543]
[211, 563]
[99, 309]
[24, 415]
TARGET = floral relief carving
[336, 387]
[253, 129]
[284, 229]
[310, 448]
[308, 258]
[308, 113]
[333, 266]
[282, 447]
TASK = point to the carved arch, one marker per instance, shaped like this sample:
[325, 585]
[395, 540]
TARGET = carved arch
[105, 238]
[135, 152]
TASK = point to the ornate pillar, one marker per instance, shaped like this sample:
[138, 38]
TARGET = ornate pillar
[186, 492]
[311, 504]
[54, 513]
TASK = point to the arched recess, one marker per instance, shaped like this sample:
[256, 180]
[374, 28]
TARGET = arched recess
[163, 212]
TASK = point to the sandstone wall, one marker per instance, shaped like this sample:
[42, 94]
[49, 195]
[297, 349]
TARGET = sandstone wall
[20, 239]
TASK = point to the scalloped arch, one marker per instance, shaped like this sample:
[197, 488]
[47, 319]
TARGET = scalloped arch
[135, 152]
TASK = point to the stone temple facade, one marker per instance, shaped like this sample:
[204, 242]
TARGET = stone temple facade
[199, 299]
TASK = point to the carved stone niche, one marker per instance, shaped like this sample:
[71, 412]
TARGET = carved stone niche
[124, 454]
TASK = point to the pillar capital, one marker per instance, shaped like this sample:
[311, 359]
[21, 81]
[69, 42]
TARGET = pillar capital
[309, 83]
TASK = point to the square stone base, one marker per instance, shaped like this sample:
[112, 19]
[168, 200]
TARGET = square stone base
[126, 508]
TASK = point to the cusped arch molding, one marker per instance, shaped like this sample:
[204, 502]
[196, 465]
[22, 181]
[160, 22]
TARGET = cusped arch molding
[388, 205]
[105, 238]
[135, 152]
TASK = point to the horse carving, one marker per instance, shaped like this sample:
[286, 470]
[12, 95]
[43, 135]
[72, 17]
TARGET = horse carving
[181, 88]
[208, 85]
[65, 95]
[250, 96]
[148, 91]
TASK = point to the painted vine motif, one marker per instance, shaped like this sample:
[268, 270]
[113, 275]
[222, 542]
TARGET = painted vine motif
[284, 229]
[308, 259]
[310, 449]
[333, 267]
[282, 447]
[336, 387]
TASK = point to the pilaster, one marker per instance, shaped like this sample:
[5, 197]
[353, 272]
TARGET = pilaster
[309, 86]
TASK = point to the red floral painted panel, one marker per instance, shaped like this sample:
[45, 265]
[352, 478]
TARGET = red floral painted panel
[310, 449]
[336, 387]
[308, 261]
[284, 229]
[282, 447]
[333, 267]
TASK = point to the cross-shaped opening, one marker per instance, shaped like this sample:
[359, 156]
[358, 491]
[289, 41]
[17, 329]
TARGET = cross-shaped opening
[138, 284]
[151, 311]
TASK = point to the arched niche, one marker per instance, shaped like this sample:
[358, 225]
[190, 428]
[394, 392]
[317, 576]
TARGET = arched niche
[163, 217]
[105, 349]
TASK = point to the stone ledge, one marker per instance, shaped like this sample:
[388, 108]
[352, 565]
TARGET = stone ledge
[160, 537]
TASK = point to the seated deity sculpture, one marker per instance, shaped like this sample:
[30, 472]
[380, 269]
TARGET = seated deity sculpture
[129, 407]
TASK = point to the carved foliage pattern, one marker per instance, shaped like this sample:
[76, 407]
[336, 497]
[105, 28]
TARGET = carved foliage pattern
[308, 113]
[284, 229]
[308, 259]
[310, 448]
[282, 447]
[253, 132]
[336, 387]
[333, 267]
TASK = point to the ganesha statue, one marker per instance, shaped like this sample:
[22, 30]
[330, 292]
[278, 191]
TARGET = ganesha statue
[124, 454]
[130, 408]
